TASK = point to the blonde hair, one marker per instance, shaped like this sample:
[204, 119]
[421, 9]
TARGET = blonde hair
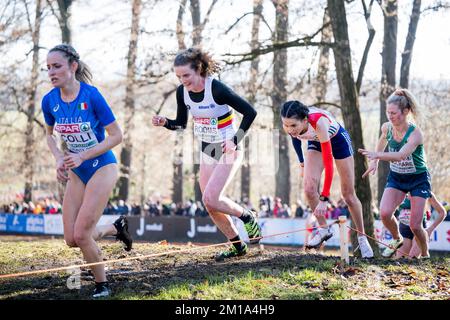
[83, 73]
[404, 99]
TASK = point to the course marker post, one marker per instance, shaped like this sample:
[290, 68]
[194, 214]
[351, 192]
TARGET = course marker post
[343, 238]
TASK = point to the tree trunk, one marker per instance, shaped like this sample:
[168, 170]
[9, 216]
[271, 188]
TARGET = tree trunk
[30, 139]
[177, 156]
[389, 55]
[127, 148]
[64, 20]
[251, 96]
[66, 37]
[196, 23]
[350, 109]
[320, 89]
[283, 176]
[196, 41]
[409, 44]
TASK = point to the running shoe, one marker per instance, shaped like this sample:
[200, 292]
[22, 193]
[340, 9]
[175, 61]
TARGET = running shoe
[123, 235]
[231, 253]
[253, 229]
[322, 235]
[101, 290]
[365, 248]
[394, 245]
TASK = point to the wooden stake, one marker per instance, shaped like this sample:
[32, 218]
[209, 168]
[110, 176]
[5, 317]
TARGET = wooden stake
[343, 238]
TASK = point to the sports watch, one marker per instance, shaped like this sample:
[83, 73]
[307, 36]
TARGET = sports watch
[323, 198]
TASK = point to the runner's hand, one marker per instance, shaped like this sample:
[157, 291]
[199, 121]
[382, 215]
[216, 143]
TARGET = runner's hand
[228, 146]
[73, 160]
[61, 172]
[369, 154]
[321, 209]
[159, 121]
[373, 166]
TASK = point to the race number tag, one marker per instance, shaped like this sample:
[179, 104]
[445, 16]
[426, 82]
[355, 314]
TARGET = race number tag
[206, 128]
[78, 136]
[403, 166]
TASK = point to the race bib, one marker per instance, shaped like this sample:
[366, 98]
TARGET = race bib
[403, 166]
[404, 216]
[77, 136]
[206, 129]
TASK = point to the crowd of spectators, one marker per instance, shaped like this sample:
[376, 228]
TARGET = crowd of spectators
[41, 206]
[268, 207]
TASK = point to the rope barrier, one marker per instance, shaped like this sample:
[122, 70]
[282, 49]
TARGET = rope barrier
[384, 244]
[27, 273]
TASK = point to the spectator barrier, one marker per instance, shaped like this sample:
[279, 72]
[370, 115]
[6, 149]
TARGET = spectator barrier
[199, 229]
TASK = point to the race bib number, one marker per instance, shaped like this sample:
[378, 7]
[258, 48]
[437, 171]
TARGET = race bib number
[403, 166]
[77, 136]
[404, 216]
[206, 128]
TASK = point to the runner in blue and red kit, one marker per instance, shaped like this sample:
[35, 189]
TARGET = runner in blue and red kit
[327, 139]
[79, 114]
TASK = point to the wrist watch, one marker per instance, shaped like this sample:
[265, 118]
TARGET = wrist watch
[323, 198]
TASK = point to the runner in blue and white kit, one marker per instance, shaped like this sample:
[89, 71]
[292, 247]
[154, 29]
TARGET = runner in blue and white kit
[212, 106]
[79, 114]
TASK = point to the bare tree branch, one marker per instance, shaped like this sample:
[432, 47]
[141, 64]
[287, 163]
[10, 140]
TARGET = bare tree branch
[325, 103]
[300, 42]
[208, 13]
[371, 29]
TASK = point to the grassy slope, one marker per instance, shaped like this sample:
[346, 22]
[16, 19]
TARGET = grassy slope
[271, 274]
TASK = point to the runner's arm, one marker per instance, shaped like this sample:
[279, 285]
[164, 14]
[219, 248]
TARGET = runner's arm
[327, 154]
[224, 95]
[180, 121]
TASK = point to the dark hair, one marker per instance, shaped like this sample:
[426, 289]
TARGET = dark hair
[198, 61]
[294, 109]
[83, 73]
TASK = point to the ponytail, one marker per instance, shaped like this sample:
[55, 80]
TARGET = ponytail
[404, 99]
[82, 73]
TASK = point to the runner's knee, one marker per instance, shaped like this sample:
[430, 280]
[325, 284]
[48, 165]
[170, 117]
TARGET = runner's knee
[210, 200]
[70, 242]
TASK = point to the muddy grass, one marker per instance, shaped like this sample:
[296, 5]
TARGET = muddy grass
[272, 273]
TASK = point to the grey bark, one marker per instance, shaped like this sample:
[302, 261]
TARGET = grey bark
[350, 109]
[177, 156]
[251, 97]
[409, 44]
[30, 139]
[389, 57]
[130, 109]
[320, 88]
[279, 95]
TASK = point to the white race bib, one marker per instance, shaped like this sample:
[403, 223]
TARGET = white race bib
[206, 129]
[403, 166]
[77, 136]
[404, 216]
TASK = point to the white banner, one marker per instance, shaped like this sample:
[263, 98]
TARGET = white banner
[293, 229]
[440, 239]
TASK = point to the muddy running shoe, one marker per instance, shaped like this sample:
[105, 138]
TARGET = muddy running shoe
[231, 253]
[365, 248]
[123, 235]
[393, 246]
[322, 235]
[101, 290]
[253, 229]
